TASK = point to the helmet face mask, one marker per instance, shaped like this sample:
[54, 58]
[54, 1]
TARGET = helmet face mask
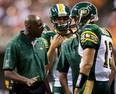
[85, 12]
[60, 17]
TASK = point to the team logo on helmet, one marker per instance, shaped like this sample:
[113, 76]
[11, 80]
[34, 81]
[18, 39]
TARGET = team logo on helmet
[84, 11]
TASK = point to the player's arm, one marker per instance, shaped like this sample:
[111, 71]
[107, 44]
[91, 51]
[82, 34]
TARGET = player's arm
[47, 86]
[63, 68]
[88, 58]
[55, 42]
[113, 67]
[113, 70]
[64, 82]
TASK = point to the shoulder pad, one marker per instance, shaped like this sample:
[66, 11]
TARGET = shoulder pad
[90, 27]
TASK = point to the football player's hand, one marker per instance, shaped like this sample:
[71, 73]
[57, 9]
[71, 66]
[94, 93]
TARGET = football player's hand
[31, 81]
[76, 91]
[56, 41]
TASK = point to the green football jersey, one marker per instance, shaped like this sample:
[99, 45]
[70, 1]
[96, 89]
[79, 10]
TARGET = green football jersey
[99, 38]
[46, 38]
[69, 57]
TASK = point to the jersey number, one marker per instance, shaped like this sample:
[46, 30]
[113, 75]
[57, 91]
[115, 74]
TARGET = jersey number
[108, 54]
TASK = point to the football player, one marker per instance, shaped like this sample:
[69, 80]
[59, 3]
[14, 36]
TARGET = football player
[60, 18]
[96, 49]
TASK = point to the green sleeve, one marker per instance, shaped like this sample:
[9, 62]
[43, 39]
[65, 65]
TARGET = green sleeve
[90, 36]
[46, 38]
[10, 58]
[63, 64]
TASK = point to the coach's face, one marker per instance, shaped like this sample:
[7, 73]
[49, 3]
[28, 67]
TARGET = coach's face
[38, 27]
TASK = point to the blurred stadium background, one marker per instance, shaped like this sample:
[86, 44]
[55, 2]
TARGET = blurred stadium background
[13, 13]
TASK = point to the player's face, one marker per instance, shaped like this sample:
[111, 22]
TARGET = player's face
[76, 19]
[76, 22]
[62, 19]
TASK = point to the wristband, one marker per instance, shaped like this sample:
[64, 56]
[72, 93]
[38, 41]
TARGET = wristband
[81, 80]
